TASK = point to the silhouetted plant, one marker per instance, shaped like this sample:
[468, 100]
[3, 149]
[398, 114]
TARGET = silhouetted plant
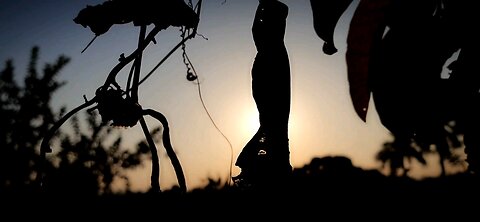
[120, 107]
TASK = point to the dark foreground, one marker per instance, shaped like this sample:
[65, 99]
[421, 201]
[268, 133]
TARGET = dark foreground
[366, 194]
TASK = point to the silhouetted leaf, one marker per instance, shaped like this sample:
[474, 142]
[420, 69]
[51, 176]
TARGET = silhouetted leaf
[326, 14]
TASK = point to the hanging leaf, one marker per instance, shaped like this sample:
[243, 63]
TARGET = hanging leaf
[365, 33]
[326, 14]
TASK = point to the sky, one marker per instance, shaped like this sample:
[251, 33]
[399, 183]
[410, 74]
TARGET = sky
[322, 119]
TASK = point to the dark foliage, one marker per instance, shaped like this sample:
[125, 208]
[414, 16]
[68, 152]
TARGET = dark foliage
[25, 116]
[85, 164]
[396, 51]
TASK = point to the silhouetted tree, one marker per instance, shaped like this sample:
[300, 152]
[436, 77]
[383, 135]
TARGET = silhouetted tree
[394, 154]
[25, 115]
[85, 163]
[398, 154]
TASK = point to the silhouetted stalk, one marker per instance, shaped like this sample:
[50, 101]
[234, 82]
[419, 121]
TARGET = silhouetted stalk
[155, 185]
[155, 176]
[168, 146]
[138, 64]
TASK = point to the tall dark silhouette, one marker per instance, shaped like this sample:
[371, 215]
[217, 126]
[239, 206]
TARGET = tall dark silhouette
[266, 157]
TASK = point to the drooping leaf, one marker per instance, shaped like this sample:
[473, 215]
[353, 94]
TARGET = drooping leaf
[326, 14]
[365, 33]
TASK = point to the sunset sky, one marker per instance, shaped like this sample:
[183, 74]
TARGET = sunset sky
[322, 118]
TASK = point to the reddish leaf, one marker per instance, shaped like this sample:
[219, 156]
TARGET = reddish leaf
[366, 30]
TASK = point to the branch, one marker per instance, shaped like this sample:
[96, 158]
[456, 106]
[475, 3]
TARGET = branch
[45, 147]
[124, 61]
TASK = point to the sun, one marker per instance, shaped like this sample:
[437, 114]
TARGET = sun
[249, 123]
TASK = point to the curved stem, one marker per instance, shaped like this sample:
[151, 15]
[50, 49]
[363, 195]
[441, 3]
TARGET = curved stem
[45, 147]
[168, 146]
[154, 179]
